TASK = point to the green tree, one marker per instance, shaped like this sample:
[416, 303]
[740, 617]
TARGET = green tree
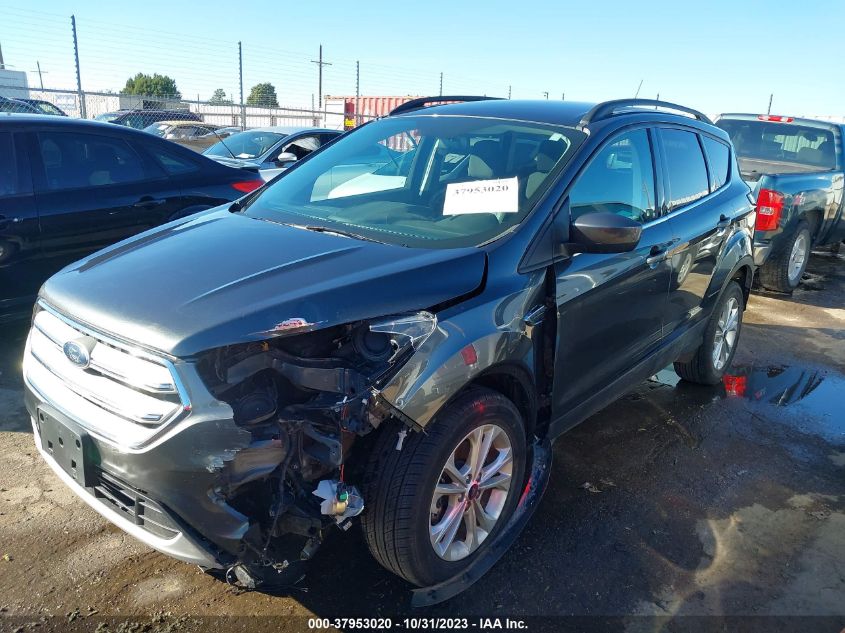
[155, 85]
[219, 98]
[263, 95]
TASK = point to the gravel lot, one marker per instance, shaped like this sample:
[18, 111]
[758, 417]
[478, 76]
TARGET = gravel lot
[675, 500]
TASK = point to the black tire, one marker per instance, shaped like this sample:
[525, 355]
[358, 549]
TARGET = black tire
[399, 485]
[701, 368]
[775, 273]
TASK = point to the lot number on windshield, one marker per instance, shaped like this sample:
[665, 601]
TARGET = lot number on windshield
[482, 196]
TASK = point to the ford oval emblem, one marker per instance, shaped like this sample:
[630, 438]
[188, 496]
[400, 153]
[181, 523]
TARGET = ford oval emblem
[77, 353]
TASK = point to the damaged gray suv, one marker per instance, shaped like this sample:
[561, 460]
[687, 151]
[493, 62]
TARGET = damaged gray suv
[391, 333]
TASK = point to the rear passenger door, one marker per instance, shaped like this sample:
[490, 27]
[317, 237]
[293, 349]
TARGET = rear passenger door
[695, 216]
[93, 190]
[611, 306]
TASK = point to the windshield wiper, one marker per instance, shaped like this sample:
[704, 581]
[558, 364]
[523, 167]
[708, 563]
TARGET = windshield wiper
[342, 232]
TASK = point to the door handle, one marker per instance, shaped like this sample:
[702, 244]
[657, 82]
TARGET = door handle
[656, 255]
[146, 203]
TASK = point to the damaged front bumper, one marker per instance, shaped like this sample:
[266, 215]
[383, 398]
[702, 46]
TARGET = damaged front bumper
[207, 470]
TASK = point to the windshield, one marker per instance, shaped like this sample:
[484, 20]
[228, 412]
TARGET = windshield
[159, 129]
[429, 181]
[46, 108]
[807, 148]
[107, 116]
[249, 144]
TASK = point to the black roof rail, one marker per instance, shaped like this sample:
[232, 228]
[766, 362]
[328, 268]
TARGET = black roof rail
[416, 104]
[608, 109]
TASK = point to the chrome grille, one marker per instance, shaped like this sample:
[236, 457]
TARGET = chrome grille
[119, 393]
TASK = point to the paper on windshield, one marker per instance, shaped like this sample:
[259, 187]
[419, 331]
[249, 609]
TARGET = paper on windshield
[482, 196]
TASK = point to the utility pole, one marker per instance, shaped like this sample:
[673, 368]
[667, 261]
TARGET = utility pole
[771, 96]
[357, 92]
[563, 96]
[441, 84]
[2, 65]
[241, 81]
[320, 63]
[78, 77]
[509, 92]
[40, 78]
[546, 94]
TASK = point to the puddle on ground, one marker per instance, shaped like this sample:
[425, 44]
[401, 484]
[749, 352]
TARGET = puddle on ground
[814, 398]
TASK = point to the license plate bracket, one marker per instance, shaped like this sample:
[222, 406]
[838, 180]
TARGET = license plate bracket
[66, 446]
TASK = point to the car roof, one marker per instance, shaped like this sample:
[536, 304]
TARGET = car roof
[283, 129]
[49, 120]
[184, 122]
[566, 113]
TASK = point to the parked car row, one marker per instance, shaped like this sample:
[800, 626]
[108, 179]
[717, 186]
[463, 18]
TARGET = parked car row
[394, 329]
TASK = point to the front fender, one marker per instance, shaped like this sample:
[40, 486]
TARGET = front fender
[466, 344]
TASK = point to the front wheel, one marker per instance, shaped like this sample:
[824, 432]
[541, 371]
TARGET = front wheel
[436, 504]
[721, 337]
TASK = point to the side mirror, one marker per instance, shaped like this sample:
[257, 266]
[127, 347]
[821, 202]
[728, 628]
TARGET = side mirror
[286, 157]
[605, 233]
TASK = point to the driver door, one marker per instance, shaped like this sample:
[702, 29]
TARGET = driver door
[610, 307]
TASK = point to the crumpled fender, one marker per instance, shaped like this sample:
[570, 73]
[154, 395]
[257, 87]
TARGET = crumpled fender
[439, 369]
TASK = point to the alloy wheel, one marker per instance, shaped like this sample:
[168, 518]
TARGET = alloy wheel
[727, 328]
[797, 258]
[471, 492]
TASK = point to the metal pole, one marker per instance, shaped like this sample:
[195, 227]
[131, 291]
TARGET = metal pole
[546, 94]
[563, 96]
[320, 63]
[441, 84]
[40, 78]
[357, 92]
[241, 81]
[509, 92]
[771, 96]
[2, 65]
[82, 110]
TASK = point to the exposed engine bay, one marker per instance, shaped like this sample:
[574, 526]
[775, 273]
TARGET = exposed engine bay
[308, 399]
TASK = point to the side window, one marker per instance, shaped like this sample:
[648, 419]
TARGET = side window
[73, 160]
[9, 175]
[685, 167]
[718, 156]
[619, 179]
[171, 162]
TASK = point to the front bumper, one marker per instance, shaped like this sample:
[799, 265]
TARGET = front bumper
[180, 546]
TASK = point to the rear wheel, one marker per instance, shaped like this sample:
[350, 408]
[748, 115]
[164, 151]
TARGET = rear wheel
[435, 505]
[783, 271]
[714, 355]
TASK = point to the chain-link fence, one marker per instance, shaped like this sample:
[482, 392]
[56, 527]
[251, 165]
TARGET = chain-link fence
[57, 64]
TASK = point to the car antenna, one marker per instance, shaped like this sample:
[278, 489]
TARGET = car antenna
[219, 138]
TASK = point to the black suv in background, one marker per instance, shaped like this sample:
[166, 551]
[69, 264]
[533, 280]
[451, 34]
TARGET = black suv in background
[70, 187]
[394, 329]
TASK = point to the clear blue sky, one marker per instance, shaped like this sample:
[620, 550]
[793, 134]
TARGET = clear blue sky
[716, 55]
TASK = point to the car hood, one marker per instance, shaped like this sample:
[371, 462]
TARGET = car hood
[222, 278]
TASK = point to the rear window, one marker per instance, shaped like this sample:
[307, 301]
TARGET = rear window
[718, 156]
[769, 141]
[685, 167]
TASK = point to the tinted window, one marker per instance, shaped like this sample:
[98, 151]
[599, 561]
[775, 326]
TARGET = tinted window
[9, 184]
[685, 167]
[718, 156]
[769, 141]
[83, 160]
[619, 179]
[172, 162]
